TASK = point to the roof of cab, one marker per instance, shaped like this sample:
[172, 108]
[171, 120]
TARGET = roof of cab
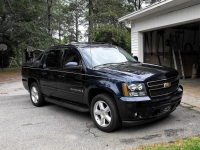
[78, 45]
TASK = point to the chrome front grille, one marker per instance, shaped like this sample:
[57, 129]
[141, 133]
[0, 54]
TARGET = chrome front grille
[157, 88]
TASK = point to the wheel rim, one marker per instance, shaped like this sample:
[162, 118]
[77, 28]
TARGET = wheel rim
[34, 94]
[102, 113]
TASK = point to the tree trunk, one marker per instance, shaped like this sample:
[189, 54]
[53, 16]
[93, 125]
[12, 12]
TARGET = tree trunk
[140, 3]
[49, 4]
[76, 26]
[17, 53]
[91, 22]
[59, 30]
[23, 55]
[137, 4]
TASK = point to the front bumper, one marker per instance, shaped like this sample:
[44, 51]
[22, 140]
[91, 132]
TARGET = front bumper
[139, 110]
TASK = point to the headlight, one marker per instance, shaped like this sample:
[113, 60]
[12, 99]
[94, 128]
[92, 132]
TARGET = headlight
[136, 89]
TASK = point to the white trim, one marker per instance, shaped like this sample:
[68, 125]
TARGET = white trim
[135, 13]
[156, 7]
[172, 18]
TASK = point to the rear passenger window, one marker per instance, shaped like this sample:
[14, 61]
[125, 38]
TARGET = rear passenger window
[53, 59]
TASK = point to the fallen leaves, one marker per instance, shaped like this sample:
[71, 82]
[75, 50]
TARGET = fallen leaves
[3, 93]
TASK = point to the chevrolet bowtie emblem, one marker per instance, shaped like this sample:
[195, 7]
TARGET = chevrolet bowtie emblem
[166, 85]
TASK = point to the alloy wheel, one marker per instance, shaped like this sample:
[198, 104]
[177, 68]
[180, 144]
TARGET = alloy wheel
[102, 113]
[34, 94]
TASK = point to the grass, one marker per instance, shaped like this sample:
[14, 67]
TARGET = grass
[187, 106]
[10, 70]
[192, 143]
[8, 73]
[191, 107]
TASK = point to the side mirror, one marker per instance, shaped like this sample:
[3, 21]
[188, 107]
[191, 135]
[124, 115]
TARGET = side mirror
[71, 64]
[135, 57]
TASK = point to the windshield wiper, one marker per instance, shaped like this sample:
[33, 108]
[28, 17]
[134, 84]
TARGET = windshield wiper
[105, 64]
[124, 62]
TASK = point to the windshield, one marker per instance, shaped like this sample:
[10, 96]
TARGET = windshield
[97, 56]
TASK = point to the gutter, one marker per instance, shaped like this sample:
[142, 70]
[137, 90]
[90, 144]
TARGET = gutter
[145, 11]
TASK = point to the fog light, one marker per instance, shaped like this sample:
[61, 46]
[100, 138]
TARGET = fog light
[133, 93]
[142, 93]
[135, 115]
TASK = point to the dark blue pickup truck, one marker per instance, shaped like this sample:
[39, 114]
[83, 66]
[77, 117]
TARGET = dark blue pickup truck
[104, 80]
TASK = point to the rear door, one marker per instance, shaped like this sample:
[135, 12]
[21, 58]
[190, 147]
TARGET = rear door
[49, 73]
[71, 82]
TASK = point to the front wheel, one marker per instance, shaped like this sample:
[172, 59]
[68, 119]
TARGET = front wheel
[36, 96]
[104, 113]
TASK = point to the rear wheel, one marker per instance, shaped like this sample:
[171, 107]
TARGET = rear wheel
[36, 96]
[104, 113]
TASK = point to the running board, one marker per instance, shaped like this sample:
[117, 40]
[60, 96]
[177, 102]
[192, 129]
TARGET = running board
[68, 105]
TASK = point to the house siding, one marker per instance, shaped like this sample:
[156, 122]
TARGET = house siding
[134, 41]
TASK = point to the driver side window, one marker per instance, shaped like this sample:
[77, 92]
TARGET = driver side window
[70, 56]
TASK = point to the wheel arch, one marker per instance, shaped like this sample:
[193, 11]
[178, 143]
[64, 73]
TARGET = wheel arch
[96, 91]
[32, 80]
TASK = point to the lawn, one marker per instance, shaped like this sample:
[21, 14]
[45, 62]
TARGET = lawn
[192, 143]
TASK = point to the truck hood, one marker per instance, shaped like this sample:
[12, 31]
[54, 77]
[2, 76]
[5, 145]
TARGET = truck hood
[141, 72]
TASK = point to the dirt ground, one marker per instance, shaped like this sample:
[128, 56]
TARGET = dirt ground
[11, 75]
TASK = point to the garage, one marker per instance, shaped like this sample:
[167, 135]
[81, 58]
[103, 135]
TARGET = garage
[168, 33]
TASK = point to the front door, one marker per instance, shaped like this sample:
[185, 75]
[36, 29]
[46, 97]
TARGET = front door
[48, 73]
[70, 81]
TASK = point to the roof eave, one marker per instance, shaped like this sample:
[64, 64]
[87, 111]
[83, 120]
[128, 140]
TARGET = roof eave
[158, 6]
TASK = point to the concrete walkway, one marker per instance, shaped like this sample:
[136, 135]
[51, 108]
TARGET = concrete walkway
[191, 96]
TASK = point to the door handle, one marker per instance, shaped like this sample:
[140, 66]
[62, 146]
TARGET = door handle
[44, 73]
[61, 76]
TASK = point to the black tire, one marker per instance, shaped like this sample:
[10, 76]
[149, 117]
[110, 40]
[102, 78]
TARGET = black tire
[109, 119]
[36, 96]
